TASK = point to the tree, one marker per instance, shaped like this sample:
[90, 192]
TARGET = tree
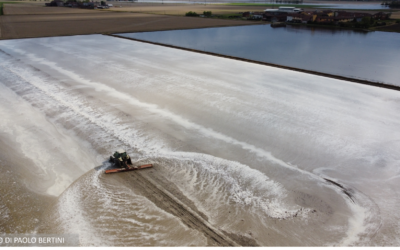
[190, 13]
[207, 13]
[366, 22]
[395, 3]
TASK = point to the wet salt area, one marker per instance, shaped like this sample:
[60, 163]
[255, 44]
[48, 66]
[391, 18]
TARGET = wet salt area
[279, 157]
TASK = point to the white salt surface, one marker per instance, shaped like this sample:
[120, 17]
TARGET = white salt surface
[233, 136]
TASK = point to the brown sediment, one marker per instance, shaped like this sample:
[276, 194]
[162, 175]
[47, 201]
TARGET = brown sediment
[343, 78]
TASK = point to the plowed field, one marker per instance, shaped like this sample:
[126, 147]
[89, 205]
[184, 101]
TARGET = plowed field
[28, 21]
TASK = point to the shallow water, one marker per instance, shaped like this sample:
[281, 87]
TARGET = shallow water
[373, 56]
[250, 145]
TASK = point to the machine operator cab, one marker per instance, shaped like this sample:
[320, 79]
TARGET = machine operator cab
[121, 159]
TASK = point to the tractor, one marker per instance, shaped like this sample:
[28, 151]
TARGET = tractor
[121, 159]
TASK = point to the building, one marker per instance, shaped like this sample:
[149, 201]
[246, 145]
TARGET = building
[275, 16]
[308, 19]
[359, 16]
[253, 15]
[246, 14]
[326, 13]
[381, 16]
[288, 14]
[344, 19]
[257, 15]
[324, 19]
[300, 18]
[284, 9]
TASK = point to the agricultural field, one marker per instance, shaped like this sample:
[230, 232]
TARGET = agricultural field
[182, 9]
[34, 20]
[38, 9]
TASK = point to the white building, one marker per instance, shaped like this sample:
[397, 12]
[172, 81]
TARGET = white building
[284, 9]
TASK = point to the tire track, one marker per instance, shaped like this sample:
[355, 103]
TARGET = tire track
[166, 201]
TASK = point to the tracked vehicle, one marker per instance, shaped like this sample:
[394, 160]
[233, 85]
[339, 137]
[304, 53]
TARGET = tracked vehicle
[123, 163]
[121, 159]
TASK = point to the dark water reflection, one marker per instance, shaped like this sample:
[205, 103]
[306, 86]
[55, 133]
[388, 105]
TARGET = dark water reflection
[365, 55]
[358, 6]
